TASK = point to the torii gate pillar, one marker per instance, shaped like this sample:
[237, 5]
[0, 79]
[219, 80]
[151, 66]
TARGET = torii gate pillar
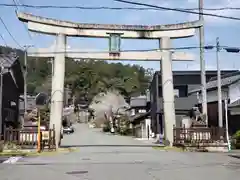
[57, 93]
[167, 90]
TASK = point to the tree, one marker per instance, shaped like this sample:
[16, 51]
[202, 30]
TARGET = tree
[86, 78]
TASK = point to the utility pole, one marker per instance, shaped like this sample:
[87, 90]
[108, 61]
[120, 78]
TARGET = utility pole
[202, 63]
[25, 81]
[25, 76]
[1, 98]
[219, 86]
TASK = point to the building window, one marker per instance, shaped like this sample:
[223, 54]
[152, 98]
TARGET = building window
[142, 111]
[176, 93]
[132, 112]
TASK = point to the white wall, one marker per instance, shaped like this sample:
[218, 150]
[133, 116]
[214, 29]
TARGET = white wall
[212, 95]
[234, 92]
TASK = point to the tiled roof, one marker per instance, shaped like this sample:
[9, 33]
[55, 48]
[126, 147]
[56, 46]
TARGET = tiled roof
[236, 103]
[139, 116]
[224, 82]
[7, 60]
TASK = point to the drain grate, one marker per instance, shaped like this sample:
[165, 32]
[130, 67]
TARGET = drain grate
[76, 172]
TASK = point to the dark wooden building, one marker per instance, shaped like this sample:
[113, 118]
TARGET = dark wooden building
[139, 105]
[12, 88]
[184, 82]
[140, 116]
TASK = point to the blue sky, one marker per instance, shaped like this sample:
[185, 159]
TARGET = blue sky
[226, 30]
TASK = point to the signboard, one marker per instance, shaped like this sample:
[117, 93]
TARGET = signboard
[45, 135]
[114, 43]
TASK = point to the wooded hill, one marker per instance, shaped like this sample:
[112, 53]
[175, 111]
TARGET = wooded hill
[86, 78]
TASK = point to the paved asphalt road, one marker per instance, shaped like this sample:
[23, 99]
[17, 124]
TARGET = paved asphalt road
[99, 159]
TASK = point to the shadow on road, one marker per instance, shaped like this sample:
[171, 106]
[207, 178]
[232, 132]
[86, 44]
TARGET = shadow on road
[113, 145]
[234, 156]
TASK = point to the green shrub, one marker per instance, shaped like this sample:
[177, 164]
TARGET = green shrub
[106, 127]
[237, 135]
[236, 140]
[124, 126]
[1, 146]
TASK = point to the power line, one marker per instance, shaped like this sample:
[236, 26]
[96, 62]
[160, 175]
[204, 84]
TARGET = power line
[20, 3]
[178, 10]
[110, 8]
[24, 25]
[5, 26]
[15, 4]
[4, 41]
[232, 49]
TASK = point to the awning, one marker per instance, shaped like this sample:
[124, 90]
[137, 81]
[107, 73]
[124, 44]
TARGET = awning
[139, 117]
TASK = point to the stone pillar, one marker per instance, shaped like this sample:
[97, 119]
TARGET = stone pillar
[167, 89]
[58, 86]
[52, 92]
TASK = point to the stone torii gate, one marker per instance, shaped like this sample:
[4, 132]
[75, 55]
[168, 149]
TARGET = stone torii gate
[62, 29]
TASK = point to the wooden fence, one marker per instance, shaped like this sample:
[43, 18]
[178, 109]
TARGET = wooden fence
[29, 138]
[199, 136]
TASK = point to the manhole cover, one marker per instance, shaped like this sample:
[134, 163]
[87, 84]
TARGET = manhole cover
[77, 172]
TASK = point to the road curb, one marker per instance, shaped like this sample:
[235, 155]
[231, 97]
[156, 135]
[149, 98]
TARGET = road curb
[166, 149]
[15, 155]
[53, 153]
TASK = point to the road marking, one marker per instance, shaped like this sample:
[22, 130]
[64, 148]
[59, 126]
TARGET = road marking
[12, 160]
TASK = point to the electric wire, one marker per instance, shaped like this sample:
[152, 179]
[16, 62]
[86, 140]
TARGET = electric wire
[209, 47]
[24, 25]
[123, 1]
[178, 10]
[4, 41]
[110, 8]
[13, 38]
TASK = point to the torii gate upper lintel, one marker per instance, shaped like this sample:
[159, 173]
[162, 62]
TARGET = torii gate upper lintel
[164, 33]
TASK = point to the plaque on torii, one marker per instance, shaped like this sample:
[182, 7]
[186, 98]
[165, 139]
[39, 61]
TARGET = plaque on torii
[62, 29]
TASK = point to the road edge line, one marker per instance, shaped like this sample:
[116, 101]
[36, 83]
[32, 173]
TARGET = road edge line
[12, 160]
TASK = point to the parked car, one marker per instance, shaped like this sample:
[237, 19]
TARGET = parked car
[68, 130]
